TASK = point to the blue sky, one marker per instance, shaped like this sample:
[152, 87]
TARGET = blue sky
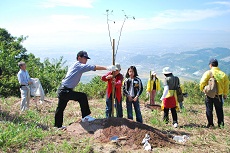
[82, 23]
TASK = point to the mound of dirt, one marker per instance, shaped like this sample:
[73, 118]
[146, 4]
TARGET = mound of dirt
[132, 132]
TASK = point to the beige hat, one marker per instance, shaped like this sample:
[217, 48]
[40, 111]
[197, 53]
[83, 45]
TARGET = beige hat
[166, 70]
[153, 73]
[21, 63]
[118, 66]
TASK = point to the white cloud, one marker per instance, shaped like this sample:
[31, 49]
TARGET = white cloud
[80, 29]
[59, 23]
[226, 3]
[174, 16]
[67, 24]
[186, 15]
[68, 3]
[82, 23]
[63, 18]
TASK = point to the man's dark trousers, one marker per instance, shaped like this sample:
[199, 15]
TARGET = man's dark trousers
[66, 94]
[217, 102]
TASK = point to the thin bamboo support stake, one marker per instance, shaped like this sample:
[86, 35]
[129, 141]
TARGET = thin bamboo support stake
[113, 86]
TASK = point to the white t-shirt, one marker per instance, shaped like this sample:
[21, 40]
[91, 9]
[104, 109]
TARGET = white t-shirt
[131, 89]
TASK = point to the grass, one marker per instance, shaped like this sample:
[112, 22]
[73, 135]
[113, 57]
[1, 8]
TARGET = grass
[33, 130]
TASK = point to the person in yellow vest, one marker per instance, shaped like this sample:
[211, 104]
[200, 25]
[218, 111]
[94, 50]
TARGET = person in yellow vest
[169, 96]
[217, 101]
[153, 87]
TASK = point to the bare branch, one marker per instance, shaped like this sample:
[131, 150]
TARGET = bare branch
[126, 17]
[107, 11]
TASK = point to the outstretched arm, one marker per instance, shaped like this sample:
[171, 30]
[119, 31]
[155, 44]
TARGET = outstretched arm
[110, 68]
[97, 67]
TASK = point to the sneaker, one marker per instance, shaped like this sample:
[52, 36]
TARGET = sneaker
[87, 119]
[175, 125]
[63, 128]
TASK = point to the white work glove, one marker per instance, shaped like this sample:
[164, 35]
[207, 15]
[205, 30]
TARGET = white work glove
[161, 98]
[147, 94]
[111, 68]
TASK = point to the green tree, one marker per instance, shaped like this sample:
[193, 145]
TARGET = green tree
[11, 52]
[195, 96]
[52, 73]
[95, 89]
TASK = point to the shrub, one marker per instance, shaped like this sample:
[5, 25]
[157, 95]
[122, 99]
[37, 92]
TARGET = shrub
[195, 96]
[11, 52]
[95, 89]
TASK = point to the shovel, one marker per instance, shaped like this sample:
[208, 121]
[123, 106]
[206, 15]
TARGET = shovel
[116, 138]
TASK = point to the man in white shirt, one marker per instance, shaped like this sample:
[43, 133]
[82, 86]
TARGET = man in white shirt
[24, 81]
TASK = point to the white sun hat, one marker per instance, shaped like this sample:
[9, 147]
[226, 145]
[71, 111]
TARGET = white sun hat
[166, 70]
[118, 66]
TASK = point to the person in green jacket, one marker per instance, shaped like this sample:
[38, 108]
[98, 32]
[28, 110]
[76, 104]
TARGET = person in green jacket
[153, 87]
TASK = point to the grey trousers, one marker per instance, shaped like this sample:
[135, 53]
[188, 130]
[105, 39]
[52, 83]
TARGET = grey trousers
[25, 97]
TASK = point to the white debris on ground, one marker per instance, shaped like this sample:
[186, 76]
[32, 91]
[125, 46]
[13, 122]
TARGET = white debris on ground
[181, 139]
[146, 143]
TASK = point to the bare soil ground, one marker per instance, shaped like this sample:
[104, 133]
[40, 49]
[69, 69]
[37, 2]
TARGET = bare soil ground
[102, 130]
[97, 134]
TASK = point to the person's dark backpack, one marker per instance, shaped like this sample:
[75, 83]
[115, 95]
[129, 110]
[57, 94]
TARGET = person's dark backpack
[211, 89]
[180, 96]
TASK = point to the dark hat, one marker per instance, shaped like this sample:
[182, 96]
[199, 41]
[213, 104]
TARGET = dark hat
[83, 54]
[213, 62]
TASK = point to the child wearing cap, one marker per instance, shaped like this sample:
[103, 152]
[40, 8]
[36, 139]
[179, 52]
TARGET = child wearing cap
[132, 89]
[153, 87]
[117, 81]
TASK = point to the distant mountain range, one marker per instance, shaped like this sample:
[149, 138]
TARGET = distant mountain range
[190, 64]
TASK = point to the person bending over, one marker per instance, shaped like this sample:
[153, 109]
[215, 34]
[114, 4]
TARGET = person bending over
[71, 80]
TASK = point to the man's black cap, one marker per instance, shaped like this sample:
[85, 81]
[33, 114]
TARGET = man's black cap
[82, 54]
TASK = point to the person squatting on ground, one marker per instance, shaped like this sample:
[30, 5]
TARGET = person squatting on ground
[117, 81]
[132, 89]
[169, 99]
[153, 87]
[71, 80]
[217, 101]
[24, 81]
